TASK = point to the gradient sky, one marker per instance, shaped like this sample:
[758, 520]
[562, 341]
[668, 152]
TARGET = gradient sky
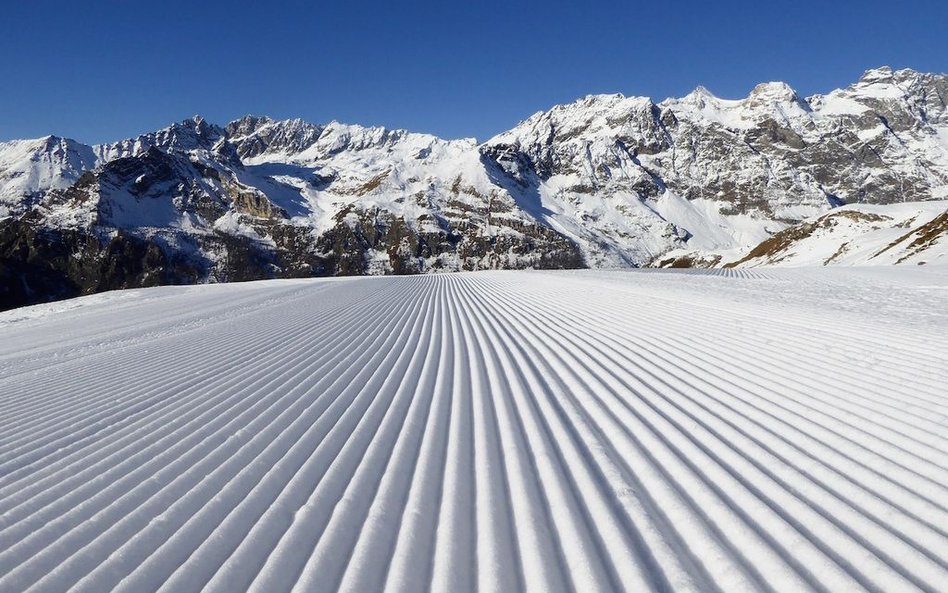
[105, 69]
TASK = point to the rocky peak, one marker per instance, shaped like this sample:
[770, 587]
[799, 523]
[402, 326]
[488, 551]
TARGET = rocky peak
[66, 151]
[872, 75]
[589, 119]
[337, 137]
[927, 93]
[700, 97]
[775, 93]
[255, 136]
[885, 82]
[246, 125]
[191, 134]
[767, 101]
[903, 76]
[51, 143]
[903, 101]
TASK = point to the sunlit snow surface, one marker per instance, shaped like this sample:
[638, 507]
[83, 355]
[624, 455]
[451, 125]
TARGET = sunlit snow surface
[750, 430]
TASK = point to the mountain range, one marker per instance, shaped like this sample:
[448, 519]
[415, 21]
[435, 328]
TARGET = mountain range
[606, 181]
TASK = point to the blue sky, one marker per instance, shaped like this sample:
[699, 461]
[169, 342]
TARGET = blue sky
[106, 69]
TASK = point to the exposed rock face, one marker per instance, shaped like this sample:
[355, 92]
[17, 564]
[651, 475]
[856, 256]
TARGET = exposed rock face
[604, 181]
[41, 264]
[762, 162]
[191, 134]
[254, 136]
[265, 199]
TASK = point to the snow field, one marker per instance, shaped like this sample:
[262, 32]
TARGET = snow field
[751, 430]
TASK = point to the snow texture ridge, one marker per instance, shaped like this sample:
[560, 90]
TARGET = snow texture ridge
[778, 431]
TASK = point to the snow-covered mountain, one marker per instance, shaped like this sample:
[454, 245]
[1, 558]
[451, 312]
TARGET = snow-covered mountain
[859, 234]
[632, 180]
[29, 168]
[606, 181]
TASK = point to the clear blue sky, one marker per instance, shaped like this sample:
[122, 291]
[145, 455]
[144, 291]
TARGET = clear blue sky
[105, 69]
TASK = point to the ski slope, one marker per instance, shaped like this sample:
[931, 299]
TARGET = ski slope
[727, 432]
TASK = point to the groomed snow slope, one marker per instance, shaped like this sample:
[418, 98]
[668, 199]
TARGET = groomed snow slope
[732, 431]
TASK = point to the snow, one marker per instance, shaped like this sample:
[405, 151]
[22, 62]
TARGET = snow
[711, 230]
[769, 99]
[603, 224]
[881, 91]
[702, 104]
[31, 166]
[942, 135]
[835, 104]
[369, 168]
[864, 234]
[231, 223]
[745, 430]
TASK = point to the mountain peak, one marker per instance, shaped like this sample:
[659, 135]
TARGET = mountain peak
[199, 126]
[702, 91]
[907, 77]
[256, 135]
[589, 100]
[246, 125]
[777, 90]
[189, 134]
[51, 141]
[699, 95]
[880, 74]
[702, 98]
[775, 93]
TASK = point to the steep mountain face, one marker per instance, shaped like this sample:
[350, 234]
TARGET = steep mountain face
[707, 174]
[263, 199]
[606, 181]
[29, 168]
[158, 217]
[254, 136]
